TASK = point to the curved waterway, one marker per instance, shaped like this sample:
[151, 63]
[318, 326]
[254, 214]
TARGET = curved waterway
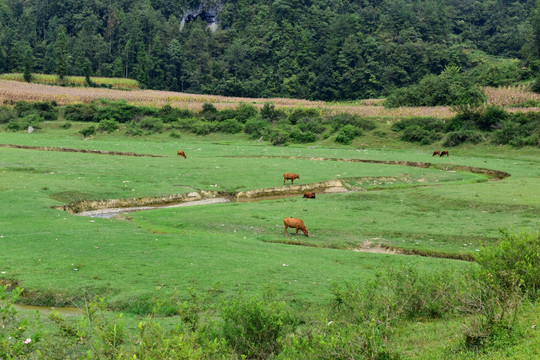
[113, 212]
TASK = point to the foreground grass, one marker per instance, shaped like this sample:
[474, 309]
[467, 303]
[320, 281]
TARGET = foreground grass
[222, 250]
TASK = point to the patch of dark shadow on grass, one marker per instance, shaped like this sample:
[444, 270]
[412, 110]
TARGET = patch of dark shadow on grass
[70, 196]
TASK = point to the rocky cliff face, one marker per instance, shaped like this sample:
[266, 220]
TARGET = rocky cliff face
[207, 13]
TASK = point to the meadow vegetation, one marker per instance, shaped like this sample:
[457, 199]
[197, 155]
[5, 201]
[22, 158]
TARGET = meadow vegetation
[223, 280]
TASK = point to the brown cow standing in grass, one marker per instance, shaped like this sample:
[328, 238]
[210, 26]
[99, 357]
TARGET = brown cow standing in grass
[309, 195]
[436, 152]
[181, 153]
[444, 153]
[290, 176]
[295, 223]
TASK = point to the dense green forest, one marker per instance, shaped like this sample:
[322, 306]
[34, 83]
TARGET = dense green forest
[326, 50]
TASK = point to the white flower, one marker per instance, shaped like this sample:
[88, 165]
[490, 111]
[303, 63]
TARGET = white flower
[27, 341]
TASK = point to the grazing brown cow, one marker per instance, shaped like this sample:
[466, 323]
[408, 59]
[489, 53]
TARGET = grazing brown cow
[444, 153]
[436, 152]
[181, 153]
[309, 195]
[290, 176]
[295, 223]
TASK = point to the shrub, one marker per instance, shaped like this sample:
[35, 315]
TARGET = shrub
[226, 114]
[108, 125]
[301, 137]
[347, 134]
[244, 112]
[13, 125]
[311, 124]
[301, 113]
[278, 136]
[448, 88]
[89, 131]
[420, 135]
[254, 326]
[519, 130]
[151, 124]
[491, 118]
[270, 114]
[7, 114]
[121, 111]
[209, 111]
[80, 112]
[169, 114]
[230, 126]
[516, 255]
[456, 138]
[66, 125]
[202, 128]
[256, 127]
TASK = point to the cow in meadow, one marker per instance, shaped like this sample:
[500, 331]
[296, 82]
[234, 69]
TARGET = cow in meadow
[295, 223]
[309, 195]
[445, 152]
[436, 152]
[290, 176]
[181, 153]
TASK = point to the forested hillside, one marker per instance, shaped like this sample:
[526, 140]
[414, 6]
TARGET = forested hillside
[325, 50]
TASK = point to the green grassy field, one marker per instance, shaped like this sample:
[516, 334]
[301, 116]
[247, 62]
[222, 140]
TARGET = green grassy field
[222, 250]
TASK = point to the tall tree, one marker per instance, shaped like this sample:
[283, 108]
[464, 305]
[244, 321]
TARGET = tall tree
[61, 52]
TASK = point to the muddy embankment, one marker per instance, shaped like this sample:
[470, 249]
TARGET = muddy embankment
[54, 148]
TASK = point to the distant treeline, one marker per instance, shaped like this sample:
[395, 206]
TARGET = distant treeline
[324, 50]
[474, 125]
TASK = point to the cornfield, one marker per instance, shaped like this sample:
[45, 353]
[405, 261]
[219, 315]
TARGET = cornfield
[13, 91]
[115, 83]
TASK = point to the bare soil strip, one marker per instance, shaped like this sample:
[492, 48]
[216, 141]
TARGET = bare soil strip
[54, 148]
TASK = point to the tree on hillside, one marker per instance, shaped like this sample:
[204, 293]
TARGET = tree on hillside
[61, 53]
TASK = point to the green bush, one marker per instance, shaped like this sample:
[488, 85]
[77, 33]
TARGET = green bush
[66, 125]
[456, 138]
[347, 134]
[340, 120]
[169, 114]
[226, 114]
[311, 124]
[491, 118]
[448, 88]
[202, 128]
[13, 125]
[299, 136]
[81, 112]
[420, 135]
[151, 124]
[7, 114]
[244, 112]
[89, 131]
[108, 125]
[253, 327]
[121, 111]
[270, 114]
[516, 255]
[278, 135]
[518, 130]
[209, 111]
[230, 126]
[301, 113]
[31, 119]
[256, 127]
